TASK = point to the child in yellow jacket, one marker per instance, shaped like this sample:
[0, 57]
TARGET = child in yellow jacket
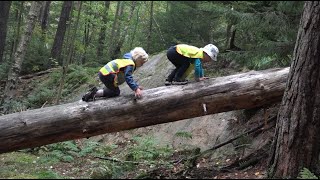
[186, 57]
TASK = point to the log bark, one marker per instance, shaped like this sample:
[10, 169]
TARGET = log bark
[159, 105]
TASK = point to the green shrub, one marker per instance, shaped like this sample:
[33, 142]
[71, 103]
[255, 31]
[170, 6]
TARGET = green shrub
[147, 149]
[306, 174]
[47, 174]
[40, 96]
[13, 106]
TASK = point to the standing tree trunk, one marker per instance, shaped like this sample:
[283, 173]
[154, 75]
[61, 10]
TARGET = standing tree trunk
[18, 18]
[125, 31]
[61, 30]
[13, 75]
[150, 28]
[43, 20]
[44, 16]
[4, 15]
[133, 35]
[102, 34]
[296, 143]
[113, 31]
[65, 66]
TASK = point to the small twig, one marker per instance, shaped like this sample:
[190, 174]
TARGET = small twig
[44, 104]
[124, 161]
[117, 160]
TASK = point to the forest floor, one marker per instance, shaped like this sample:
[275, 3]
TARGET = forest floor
[205, 168]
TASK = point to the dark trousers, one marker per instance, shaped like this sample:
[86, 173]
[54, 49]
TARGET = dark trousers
[110, 90]
[181, 63]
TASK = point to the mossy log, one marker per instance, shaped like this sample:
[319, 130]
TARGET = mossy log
[163, 104]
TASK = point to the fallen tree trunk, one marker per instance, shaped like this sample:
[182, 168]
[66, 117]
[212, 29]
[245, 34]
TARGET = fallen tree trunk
[164, 104]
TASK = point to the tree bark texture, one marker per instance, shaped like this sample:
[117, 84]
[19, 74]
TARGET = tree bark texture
[19, 55]
[102, 34]
[45, 16]
[4, 15]
[125, 31]
[297, 136]
[68, 60]
[159, 105]
[18, 18]
[61, 30]
[149, 43]
[114, 31]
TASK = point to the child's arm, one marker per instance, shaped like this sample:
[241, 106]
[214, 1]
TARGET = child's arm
[198, 70]
[128, 71]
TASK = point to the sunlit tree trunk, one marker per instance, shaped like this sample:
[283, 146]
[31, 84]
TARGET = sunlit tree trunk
[297, 137]
[19, 55]
[61, 30]
[4, 15]
[102, 34]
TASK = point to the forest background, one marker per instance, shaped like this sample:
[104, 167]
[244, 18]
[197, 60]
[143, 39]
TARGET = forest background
[78, 37]
[85, 35]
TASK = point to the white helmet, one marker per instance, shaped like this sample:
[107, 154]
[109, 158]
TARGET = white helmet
[212, 51]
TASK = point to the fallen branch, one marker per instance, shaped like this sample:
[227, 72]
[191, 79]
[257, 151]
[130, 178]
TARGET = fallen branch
[120, 161]
[247, 161]
[258, 128]
[28, 76]
[133, 162]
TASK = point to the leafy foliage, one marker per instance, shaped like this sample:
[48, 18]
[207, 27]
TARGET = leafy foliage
[305, 173]
[67, 151]
[146, 149]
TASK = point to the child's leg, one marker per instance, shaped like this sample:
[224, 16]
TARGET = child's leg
[181, 70]
[171, 75]
[177, 60]
[110, 90]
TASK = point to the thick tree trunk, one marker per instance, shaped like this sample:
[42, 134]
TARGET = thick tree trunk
[4, 15]
[159, 105]
[296, 144]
